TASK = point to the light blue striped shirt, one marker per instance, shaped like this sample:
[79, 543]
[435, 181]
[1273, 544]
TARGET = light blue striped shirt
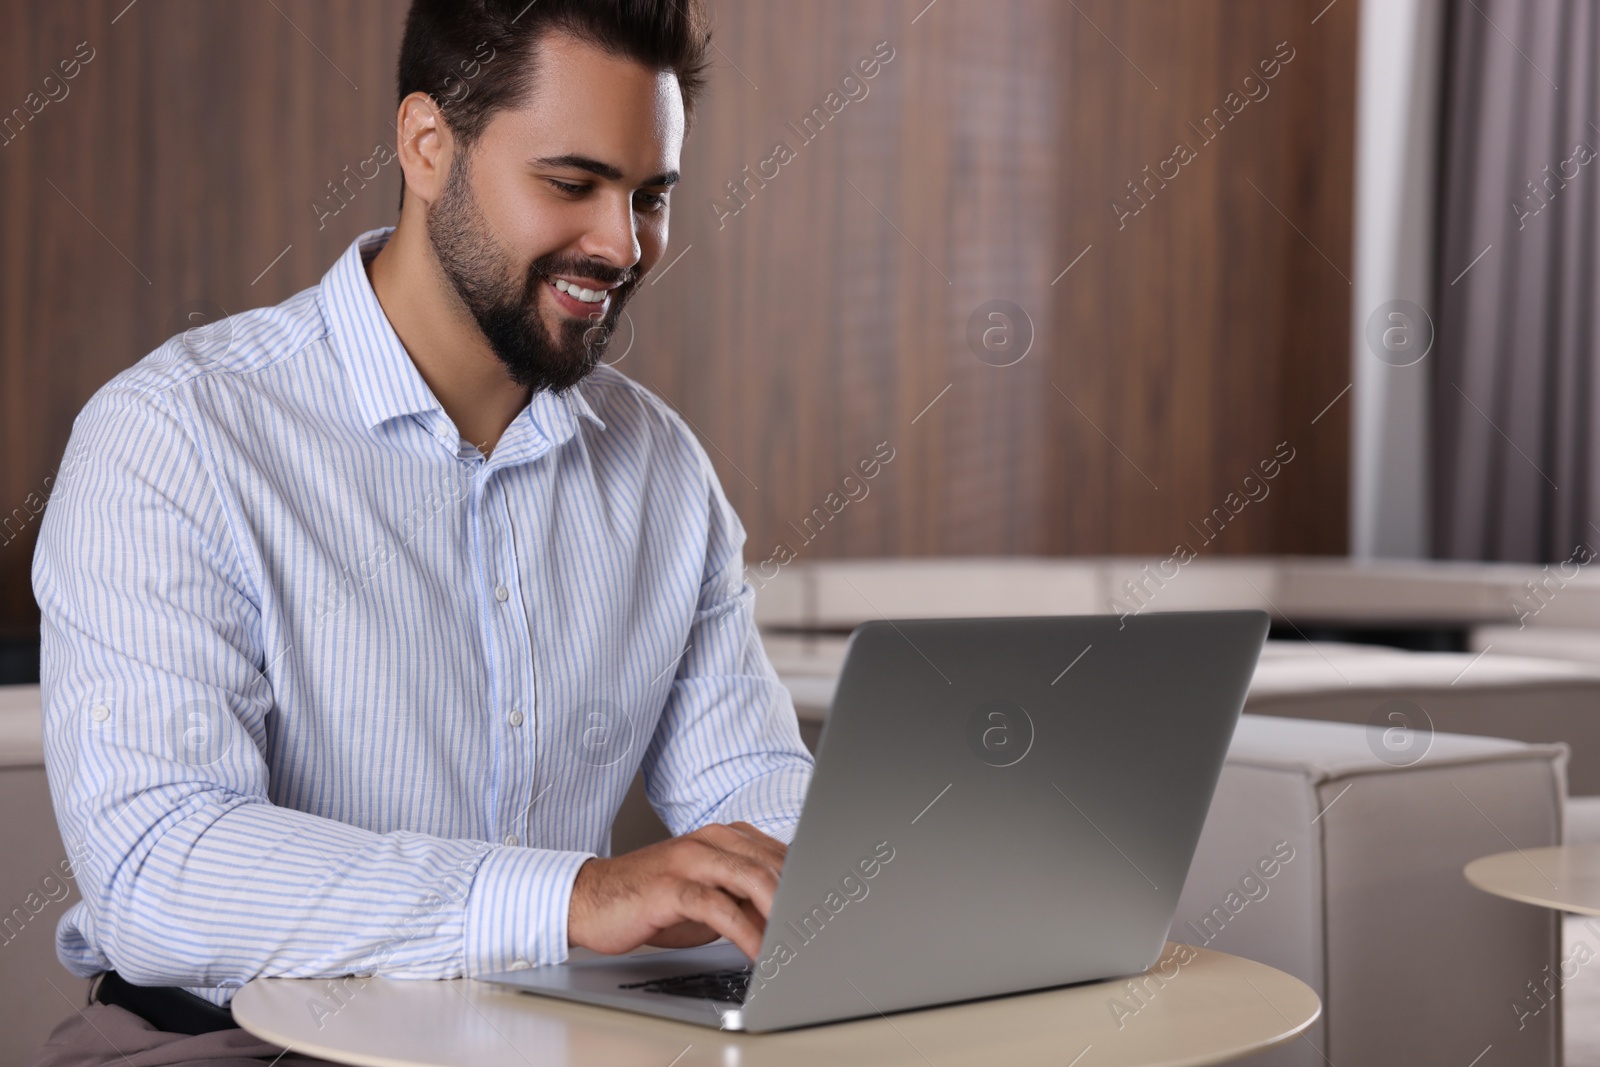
[328, 692]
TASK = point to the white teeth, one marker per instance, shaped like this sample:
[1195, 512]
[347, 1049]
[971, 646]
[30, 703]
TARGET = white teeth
[588, 296]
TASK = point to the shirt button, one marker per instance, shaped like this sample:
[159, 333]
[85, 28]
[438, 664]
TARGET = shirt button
[502, 594]
[513, 839]
[515, 718]
[99, 713]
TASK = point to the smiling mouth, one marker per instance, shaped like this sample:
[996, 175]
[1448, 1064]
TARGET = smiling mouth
[587, 296]
[579, 302]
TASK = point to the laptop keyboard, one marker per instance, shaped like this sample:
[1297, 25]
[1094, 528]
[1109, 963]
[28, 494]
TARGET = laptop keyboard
[727, 986]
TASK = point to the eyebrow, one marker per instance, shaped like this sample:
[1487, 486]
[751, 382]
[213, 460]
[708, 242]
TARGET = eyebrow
[600, 169]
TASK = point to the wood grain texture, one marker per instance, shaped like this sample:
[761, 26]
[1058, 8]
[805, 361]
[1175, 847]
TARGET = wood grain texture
[1201, 332]
[184, 159]
[826, 315]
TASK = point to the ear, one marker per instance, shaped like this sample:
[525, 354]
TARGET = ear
[426, 146]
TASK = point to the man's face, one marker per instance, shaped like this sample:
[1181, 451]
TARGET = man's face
[547, 224]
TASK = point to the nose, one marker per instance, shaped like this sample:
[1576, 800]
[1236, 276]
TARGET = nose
[611, 236]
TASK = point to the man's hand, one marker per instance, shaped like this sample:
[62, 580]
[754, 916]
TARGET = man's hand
[718, 881]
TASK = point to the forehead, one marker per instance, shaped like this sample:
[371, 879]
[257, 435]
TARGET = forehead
[582, 100]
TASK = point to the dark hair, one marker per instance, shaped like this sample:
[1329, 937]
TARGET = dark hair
[476, 57]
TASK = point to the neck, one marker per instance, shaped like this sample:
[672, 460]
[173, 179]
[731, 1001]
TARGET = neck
[441, 336]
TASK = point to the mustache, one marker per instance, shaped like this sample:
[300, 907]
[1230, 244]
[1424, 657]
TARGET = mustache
[581, 267]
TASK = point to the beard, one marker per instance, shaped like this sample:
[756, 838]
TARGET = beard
[505, 301]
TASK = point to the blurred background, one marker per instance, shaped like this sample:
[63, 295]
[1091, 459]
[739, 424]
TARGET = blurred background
[1158, 336]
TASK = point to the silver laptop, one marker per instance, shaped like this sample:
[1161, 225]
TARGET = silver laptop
[999, 805]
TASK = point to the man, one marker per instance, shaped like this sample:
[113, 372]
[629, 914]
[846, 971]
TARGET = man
[360, 612]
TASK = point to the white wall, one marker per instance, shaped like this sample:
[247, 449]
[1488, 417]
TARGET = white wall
[1396, 146]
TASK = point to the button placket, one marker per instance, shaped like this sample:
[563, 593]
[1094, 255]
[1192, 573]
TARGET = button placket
[511, 657]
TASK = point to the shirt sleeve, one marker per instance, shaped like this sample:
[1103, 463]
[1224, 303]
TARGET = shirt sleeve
[728, 746]
[157, 721]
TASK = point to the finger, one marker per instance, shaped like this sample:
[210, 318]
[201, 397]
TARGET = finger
[722, 913]
[738, 875]
[683, 935]
[732, 843]
[755, 917]
[763, 840]
[752, 844]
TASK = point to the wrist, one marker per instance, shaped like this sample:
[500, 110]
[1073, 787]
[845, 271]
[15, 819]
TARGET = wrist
[581, 904]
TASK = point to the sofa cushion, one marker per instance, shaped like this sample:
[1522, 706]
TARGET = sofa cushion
[36, 887]
[1326, 860]
[1516, 697]
[21, 727]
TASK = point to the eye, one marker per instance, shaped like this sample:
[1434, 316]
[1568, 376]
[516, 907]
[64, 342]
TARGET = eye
[566, 187]
[651, 201]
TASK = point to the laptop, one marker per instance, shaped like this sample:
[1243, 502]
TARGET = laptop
[999, 805]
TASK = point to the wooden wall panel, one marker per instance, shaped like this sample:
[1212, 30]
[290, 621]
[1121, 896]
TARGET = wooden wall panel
[1201, 332]
[836, 301]
[831, 310]
[182, 162]
[1192, 338]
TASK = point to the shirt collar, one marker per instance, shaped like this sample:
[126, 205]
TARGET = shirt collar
[387, 383]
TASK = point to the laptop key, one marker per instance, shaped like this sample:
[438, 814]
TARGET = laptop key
[728, 986]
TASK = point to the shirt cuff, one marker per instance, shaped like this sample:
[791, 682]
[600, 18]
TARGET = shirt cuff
[517, 908]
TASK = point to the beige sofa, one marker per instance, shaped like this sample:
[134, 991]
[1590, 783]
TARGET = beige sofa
[1517, 689]
[1344, 869]
[838, 594]
[36, 992]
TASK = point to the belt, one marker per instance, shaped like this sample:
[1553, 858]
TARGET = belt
[170, 1009]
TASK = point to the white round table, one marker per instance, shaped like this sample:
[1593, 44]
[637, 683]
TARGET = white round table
[1213, 1008]
[1565, 877]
